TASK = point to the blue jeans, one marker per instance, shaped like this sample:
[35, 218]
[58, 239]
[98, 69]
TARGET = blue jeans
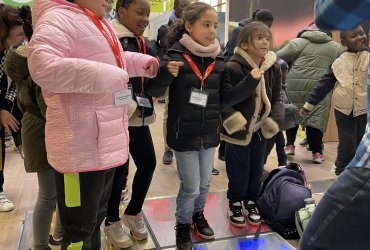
[194, 170]
[341, 220]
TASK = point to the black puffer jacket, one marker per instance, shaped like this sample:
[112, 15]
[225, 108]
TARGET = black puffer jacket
[189, 127]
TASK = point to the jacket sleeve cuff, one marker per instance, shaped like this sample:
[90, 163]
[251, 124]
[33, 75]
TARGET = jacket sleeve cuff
[269, 128]
[308, 106]
[6, 104]
[234, 123]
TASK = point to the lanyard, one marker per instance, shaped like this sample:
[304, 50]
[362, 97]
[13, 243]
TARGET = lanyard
[142, 49]
[112, 39]
[196, 70]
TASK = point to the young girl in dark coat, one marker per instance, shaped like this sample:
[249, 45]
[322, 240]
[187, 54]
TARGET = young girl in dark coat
[248, 124]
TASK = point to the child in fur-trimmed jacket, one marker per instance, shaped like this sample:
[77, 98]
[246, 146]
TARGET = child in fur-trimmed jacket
[248, 124]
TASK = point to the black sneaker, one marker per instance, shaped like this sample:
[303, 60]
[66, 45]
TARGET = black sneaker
[167, 157]
[183, 240]
[215, 172]
[235, 215]
[252, 213]
[201, 225]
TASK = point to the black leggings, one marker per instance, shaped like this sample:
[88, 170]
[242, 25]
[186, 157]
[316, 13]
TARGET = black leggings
[142, 152]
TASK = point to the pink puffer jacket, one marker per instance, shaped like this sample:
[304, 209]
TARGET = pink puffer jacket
[76, 68]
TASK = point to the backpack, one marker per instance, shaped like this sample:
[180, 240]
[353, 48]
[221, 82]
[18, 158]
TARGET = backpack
[282, 194]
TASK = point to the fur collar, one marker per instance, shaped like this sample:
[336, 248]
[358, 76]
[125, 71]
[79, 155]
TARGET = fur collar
[270, 59]
[120, 30]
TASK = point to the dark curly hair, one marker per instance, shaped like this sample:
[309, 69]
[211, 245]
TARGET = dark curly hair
[191, 14]
[123, 4]
[9, 19]
[25, 14]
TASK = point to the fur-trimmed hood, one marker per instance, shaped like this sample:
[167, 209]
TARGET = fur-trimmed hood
[120, 30]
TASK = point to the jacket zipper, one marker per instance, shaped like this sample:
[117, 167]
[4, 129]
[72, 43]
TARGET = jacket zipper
[203, 111]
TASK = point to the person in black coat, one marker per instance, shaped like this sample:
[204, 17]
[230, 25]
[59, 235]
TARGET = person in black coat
[192, 69]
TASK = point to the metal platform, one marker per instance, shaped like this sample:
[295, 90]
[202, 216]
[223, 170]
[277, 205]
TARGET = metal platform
[160, 220]
[160, 214]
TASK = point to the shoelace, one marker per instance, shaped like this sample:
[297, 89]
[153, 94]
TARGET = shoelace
[252, 210]
[237, 211]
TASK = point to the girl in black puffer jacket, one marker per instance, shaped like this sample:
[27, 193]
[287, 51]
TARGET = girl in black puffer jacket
[192, 69]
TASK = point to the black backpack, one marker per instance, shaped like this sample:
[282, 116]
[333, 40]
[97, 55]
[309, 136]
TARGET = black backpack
[282, 194]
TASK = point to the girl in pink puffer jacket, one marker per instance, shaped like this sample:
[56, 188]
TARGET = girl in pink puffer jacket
[78, 62]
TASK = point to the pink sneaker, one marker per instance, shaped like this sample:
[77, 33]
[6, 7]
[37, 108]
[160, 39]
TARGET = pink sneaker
[289, 150]
[317, 158]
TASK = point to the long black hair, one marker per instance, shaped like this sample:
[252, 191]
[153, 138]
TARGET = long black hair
[191, 14]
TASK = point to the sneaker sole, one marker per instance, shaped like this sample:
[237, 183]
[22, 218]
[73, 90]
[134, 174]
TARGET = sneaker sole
[118, 245]
[206, 237]
[253, 223]
[236, 224]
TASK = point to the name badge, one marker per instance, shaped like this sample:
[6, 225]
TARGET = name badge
[198, 97]
[143, 101]
[123, 97]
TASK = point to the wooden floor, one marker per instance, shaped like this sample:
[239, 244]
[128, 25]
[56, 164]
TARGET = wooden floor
[21, 187]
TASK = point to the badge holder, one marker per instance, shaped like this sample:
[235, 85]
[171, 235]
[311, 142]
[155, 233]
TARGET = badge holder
[143, 101]
[198, 97]
[123, 97]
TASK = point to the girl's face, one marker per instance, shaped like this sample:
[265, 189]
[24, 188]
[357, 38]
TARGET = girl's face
[135, 17]
[16, 36]
[203, 31]
[258, 45]
[98, 7]
[355, 40]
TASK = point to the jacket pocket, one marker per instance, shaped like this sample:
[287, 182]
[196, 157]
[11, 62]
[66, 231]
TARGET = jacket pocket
[110, 130]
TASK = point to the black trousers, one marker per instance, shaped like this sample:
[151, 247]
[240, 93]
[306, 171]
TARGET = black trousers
[314, 138]
[350, 132]
[2, 134]
[82, 223]
[244, 165]
[142, 152]
[291, 135]
[280, 143]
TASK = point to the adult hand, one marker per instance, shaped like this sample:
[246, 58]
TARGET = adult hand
[303, 112]
[8, 120]
[173, 67]
[257, 73]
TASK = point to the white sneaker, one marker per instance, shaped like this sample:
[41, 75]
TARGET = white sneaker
[5, 204]
[136, 224]
[117, 235]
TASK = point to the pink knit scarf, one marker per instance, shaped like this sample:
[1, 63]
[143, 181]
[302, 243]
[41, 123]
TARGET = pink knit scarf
[195, 48]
